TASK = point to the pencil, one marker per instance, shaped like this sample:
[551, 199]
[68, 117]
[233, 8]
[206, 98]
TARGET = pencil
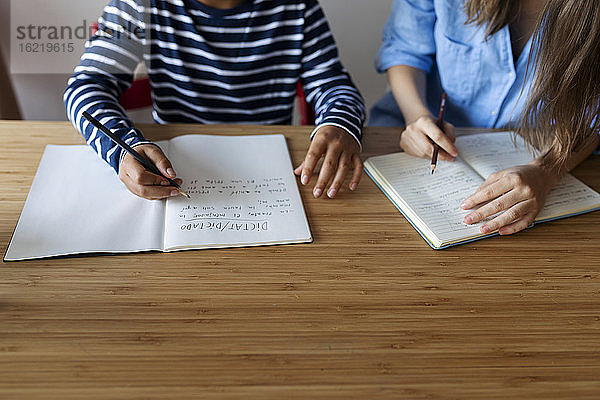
[141, 159]
[440, 124]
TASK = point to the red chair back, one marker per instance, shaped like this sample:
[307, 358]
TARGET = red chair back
[139, 95]
[306, 111]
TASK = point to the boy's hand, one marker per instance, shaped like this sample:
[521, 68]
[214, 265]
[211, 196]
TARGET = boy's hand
[144, 183]
[342, 156]
[417, 138]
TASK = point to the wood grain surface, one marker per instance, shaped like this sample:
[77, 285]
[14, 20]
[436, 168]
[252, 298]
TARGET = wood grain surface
[368, 311]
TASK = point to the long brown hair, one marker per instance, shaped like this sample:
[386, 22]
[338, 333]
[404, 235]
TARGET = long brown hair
[562, 112]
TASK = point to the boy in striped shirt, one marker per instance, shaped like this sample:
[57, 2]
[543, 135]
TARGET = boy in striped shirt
[218, 61]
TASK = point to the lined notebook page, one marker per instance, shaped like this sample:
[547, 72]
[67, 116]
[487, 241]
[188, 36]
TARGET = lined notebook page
[243, 193]
[432, 202]
[487, 153]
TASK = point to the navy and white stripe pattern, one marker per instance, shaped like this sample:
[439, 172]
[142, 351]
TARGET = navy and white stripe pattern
[237, 66]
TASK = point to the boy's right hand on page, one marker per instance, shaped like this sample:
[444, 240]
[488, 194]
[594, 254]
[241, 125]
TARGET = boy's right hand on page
[143, 183]
[341, 157]
[417, 138]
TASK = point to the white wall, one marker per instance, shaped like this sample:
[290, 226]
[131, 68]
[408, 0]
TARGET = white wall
[40, 96]
[356, 24]
[357, 27]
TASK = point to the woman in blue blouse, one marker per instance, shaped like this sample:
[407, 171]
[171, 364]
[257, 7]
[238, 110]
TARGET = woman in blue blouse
[531, 65]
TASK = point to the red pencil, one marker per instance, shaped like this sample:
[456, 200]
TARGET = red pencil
[440, 124]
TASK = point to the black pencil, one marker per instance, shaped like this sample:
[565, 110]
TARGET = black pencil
[440, 124]
[141, 159]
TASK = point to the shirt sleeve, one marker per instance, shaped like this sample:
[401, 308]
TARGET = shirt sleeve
[104, 73]
[408, 36]
[327, 85]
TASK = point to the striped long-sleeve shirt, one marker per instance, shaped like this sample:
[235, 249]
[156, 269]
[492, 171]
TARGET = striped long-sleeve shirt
[206, 65]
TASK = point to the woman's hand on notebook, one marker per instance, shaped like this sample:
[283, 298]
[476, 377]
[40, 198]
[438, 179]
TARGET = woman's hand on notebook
[517, 193]
[341, 154]
[418, 136]
[143, 183]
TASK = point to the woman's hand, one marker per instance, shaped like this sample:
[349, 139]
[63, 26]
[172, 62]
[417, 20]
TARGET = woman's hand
[144, 183]
[417, 138]
[518, 193]
[342, 157]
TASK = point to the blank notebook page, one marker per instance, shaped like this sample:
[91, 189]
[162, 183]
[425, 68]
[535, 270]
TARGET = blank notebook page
[78, 205]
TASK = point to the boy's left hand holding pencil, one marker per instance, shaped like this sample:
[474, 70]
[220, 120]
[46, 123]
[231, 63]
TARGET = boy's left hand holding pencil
[145, 171]
[144, 183]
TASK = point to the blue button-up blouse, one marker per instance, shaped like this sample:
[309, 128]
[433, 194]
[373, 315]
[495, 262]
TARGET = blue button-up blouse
[486, 87]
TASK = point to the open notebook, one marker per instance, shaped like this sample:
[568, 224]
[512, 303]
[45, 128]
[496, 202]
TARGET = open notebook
[243, 193]
[432, 202]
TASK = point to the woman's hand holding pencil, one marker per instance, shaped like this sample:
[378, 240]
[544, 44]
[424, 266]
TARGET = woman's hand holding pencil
[427, 137]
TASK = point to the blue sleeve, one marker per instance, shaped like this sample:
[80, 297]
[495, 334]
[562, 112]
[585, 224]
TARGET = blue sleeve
[104, 73]
[408, 37]
[327, 84]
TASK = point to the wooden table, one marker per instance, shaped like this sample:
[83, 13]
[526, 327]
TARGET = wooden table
[368, 311]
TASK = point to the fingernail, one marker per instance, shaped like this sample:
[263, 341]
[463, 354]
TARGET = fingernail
[485, 229]
[171, 172]
[174, 193]
[318, 192]
[165, 183]
[331, 193]
[468, 220]
[304, 179]
[353, 186]
[463, 205]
